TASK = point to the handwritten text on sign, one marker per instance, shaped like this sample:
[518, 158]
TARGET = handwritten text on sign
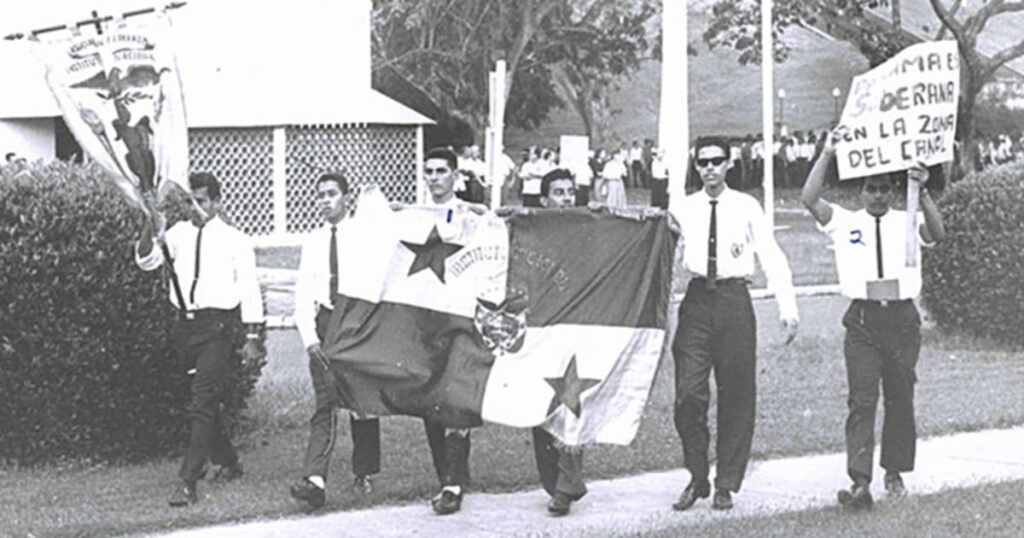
[902, 112]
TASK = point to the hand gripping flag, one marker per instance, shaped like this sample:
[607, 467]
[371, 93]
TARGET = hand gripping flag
[554, 318]
[120, 95]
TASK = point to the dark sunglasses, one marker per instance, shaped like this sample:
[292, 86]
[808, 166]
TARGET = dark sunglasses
[881, 189]
[436, 171]
[714, 161]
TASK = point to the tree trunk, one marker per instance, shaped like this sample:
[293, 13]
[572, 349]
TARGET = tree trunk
[965, 120]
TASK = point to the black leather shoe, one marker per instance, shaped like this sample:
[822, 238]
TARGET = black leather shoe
[559, 504]
[690, 495]
[722, 500]
[362, 485]
[858, 497]
[446, 502]
[227, 473]
[894, 485]
[184, 494]
[311, 494]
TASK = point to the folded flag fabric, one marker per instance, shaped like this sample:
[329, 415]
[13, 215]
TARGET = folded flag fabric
[553, 318]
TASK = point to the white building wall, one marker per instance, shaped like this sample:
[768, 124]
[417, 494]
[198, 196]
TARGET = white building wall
[32, 139]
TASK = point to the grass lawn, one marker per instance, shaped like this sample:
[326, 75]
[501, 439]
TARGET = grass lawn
[964, 385]
[991, 510]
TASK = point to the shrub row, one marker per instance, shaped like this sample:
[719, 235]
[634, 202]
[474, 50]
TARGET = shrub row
[86, 367]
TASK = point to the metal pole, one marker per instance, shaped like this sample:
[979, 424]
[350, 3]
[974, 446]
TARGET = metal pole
[95, 20]
[496, 134]
[768, 109]
[674, 114]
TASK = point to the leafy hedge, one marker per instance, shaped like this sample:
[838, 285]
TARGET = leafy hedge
[86, 367]
[974, 279]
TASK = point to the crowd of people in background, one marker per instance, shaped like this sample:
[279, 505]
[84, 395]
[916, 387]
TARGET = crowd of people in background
[998, 150]
[636, 165]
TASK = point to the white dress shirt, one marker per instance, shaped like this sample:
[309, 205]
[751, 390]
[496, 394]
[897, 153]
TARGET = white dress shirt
[227, 268]
[532, 172]
[613, 169]
[757, 150]
[312, 287]
[659, 168]
[853, 235]
[636, 154]
[742, 231]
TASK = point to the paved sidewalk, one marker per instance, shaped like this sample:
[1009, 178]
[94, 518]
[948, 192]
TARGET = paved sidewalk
[642, 503]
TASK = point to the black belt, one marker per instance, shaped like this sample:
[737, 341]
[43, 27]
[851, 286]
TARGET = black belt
[883, 304]
[734, 281]
[205, 313]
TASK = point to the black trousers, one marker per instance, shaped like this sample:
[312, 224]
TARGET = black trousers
[582, 195]
[560, 469]
[717, 332]
[323, 425]
[208, 339]
[882, 344]
[449, 450]
[659, 193]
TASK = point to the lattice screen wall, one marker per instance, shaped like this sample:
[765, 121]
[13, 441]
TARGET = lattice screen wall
[242, 158]
[243, 161]
[376, 153]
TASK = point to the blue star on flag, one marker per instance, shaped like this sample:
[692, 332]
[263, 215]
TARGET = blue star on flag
[569, 388]
[431, 254]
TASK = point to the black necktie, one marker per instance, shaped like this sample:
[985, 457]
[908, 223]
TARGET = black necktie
[878, 246]
[333, 263]
[713, 247]
[195, 276]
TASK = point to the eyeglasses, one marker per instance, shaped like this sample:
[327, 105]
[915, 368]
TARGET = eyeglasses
[714, 161]
[436, 171]
[881, 189]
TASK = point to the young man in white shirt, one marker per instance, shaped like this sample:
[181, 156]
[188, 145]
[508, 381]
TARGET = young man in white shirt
[215, 288]
[530, 173]
[883, 327]
[560, 468]
[314, 292]
[722, 229]
[449, 447]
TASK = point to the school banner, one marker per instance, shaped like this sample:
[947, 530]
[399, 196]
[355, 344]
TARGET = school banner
[120, 94]
[902, 112]
[554, 319]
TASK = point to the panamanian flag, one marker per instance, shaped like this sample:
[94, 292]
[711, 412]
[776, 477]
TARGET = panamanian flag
[554, 318]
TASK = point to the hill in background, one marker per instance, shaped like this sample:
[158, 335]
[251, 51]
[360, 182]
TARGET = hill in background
[725, 97]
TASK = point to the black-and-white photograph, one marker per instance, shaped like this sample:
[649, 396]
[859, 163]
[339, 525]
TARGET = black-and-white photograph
[503, 268]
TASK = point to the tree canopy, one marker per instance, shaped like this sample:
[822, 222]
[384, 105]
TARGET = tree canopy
[736, 24]
[435, 55]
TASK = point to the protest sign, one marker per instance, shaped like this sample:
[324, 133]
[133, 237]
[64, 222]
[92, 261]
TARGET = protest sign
[574, 154]
[902, 112]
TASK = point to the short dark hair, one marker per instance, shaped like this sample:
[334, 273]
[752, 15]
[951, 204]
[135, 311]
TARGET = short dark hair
[205, 180]
[558, 174]
[443, 153]
[9, 155]
[336, 177]
[716, 141]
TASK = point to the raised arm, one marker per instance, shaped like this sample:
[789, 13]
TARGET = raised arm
[933, 230]
[147, 256]
[815, 185]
